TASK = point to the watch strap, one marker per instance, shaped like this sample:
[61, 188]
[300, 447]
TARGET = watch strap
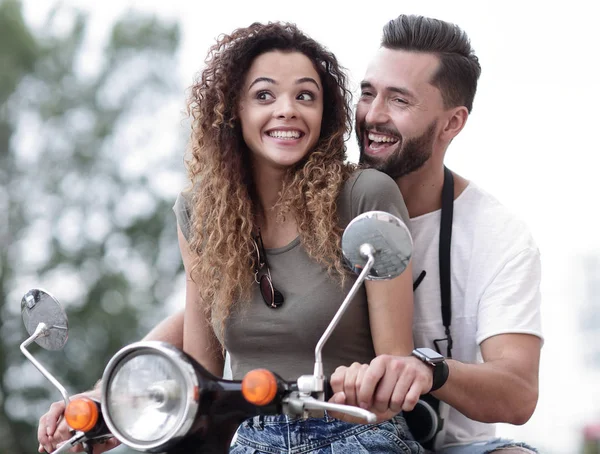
[439, 365]
[441, 371]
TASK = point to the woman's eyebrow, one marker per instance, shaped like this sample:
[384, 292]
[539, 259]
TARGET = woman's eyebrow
[262, 79]
[308, 79]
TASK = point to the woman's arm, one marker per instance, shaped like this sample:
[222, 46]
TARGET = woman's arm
[391, 314]
[199, 338]
[373, 386]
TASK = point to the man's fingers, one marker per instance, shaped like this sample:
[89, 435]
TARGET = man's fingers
[420, 385]
[41, 432]
[337, 379]
[62, 432]
[53, 416]
[384, 391]
[47, 426]
[360, 377]
[350, 383]
[408, 381]
[412, 397]
[111, 443]
[338, 398]
[370, 380]
[52, 428]
[98, 448]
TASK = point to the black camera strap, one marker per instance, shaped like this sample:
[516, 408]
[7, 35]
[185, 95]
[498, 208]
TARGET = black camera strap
[425, 421]
[444, 258]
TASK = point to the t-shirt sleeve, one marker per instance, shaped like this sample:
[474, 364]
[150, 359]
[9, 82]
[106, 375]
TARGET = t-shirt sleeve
[182, 211]
[511, 301]
[375, 191]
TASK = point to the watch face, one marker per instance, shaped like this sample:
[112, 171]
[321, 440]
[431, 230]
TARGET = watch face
[430, 354]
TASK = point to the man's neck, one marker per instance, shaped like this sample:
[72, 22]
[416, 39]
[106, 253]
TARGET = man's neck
[422, 189]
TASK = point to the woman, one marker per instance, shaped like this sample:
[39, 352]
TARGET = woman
[260, 232]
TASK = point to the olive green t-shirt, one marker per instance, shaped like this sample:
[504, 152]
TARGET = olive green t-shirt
[283, 340]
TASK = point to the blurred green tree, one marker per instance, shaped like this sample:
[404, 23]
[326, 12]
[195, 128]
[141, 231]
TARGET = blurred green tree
[85, 200]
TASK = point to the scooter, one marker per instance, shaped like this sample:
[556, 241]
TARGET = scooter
[155, 398]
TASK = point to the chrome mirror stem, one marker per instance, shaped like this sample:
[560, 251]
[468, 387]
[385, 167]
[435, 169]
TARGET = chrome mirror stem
[367, 251]
[41, 331]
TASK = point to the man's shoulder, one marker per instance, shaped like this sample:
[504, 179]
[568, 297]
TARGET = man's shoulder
[486, 207]
[484, 213]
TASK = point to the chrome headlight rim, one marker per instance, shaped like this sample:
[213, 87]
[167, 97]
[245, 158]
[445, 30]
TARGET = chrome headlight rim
[186, 370]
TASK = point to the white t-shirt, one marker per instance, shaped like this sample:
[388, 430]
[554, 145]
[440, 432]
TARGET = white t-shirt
[495, 275]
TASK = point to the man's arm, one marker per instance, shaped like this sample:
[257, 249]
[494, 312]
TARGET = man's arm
[504, 388]
[169, 330]
[52, 429]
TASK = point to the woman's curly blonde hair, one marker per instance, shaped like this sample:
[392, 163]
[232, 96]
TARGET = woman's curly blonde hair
[224, 206]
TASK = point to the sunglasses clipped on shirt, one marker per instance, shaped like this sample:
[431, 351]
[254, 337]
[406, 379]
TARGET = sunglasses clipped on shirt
[272, 297]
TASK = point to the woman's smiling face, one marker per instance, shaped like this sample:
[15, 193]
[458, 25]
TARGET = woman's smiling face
[281, 108]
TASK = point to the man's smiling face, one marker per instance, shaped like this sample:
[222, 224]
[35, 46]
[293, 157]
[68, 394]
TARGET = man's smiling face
[398, 111]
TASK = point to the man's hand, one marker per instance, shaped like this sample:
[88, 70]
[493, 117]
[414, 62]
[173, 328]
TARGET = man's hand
[53, 429]
[388, 385]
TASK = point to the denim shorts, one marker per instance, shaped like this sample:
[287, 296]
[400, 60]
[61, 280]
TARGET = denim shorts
[487, 447]
[281, 434]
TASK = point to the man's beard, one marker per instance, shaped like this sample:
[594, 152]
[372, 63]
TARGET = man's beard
[408, 157]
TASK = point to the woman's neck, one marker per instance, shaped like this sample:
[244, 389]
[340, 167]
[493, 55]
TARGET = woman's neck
[275, 232]
[267, 185]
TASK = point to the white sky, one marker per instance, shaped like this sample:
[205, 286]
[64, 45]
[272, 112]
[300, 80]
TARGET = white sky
[530, 140]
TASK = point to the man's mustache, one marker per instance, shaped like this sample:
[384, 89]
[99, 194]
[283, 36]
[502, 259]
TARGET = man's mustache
[381, 129]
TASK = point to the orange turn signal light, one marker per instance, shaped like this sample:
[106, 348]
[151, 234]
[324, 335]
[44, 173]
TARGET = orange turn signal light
[81, 414]
[259, 387]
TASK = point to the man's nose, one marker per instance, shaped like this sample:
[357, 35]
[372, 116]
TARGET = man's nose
[377, 112]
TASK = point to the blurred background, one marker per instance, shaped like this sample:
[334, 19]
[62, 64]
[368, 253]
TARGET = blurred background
[92, 137]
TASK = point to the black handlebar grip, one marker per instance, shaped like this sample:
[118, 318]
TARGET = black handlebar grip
[328, 391]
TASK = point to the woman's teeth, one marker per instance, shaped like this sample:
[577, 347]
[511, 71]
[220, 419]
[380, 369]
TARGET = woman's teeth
[285, 134]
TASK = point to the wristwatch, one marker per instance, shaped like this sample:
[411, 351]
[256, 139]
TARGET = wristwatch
[438, 362]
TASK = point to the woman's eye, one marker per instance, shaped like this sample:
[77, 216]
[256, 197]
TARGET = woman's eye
[264, 96]
[306, 96]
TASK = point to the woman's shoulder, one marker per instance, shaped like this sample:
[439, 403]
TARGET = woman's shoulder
[183, 212]
[370, 189]
[370, 181]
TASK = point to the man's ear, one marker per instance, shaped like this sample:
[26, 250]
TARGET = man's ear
[456, 120]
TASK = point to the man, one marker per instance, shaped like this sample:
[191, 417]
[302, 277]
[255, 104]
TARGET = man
[415, 98]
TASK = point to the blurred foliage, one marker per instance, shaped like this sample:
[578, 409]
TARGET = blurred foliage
[81, 217]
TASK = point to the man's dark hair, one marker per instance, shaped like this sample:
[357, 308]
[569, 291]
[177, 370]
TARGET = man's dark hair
[459, 67]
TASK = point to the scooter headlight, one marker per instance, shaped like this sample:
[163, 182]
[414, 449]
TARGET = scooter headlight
[149, 395]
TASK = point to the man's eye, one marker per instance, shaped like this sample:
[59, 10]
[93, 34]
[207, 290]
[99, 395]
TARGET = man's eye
[400, 101]
[366, 94]
[306, 96]
[264, 96]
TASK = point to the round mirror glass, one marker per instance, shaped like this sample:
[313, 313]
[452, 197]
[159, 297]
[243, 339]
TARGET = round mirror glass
[38, 306]
[388, 235]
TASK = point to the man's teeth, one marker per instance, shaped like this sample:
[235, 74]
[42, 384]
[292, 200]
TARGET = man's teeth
[380, 138]
[285, 134]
